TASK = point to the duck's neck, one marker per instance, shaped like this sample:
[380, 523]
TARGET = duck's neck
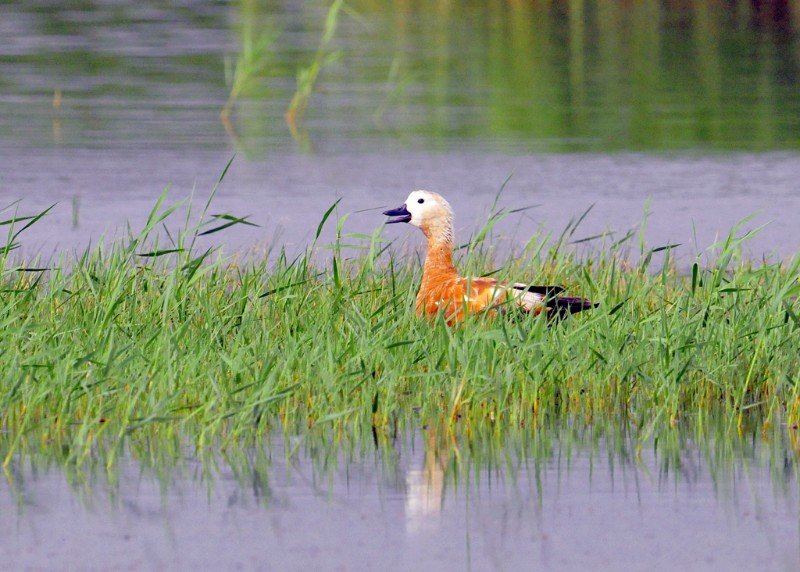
[439, 260]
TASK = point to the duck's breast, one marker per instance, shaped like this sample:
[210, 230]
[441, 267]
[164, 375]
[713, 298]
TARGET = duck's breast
[458, 296]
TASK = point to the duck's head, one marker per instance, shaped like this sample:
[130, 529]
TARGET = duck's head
[425, 209]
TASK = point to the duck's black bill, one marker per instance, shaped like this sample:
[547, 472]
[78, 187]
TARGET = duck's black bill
[401, 214]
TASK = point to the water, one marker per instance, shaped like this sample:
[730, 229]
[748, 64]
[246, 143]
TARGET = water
[593, 106]
[687, 111]
[691, 200]
[413, 505]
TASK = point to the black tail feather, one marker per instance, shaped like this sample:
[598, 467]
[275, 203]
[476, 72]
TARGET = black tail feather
[546, 291]
[564, 306]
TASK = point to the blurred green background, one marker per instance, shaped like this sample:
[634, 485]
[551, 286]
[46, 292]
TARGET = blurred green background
[507, 75]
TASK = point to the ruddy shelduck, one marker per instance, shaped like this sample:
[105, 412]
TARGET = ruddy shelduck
[443, 290]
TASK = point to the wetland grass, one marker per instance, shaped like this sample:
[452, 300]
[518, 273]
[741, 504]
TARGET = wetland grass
[248, 67]
[307, 75]
[151, 338]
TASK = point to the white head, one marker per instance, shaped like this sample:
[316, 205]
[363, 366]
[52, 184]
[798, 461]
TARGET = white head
[428, 211]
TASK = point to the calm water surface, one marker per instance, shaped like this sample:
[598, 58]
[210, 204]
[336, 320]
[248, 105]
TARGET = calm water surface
[694, 108]
[691, 200]
[687, 111]
[416, 507]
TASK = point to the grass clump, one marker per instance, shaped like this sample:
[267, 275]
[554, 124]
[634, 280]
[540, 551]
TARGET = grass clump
[148, 338]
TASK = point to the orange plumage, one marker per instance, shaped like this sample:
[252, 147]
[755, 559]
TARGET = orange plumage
[443, 290]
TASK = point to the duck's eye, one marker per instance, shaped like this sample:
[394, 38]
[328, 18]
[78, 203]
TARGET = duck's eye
[420, 201]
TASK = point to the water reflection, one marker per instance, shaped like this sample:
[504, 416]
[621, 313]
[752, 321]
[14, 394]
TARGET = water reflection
[425, 490]
[517, 76]
[103, 106]
[562, 496]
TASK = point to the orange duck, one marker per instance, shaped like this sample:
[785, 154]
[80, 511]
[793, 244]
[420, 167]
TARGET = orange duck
[443, 290]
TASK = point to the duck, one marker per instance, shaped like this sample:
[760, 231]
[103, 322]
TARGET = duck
[443, 291]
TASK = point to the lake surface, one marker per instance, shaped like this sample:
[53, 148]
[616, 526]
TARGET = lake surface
[689, 112]
[568, 500]
[693, 108]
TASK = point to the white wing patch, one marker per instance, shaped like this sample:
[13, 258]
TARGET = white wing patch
[525, 298]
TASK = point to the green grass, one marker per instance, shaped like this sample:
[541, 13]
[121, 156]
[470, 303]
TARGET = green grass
[307, 76]
[249, 66]
[151, 338]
